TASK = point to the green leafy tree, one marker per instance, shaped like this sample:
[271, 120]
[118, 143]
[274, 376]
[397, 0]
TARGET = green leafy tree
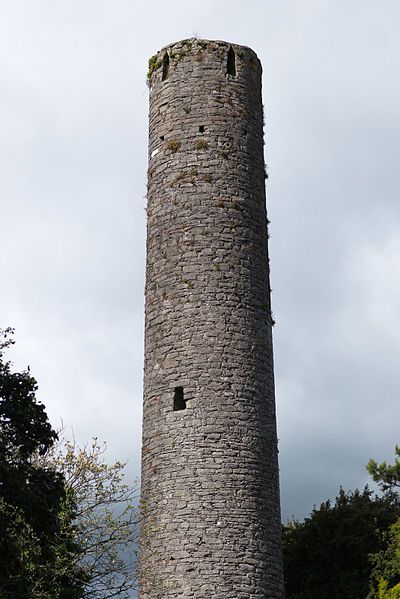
[68, 522]
[385, 577]
[106, 519]
[386, 475]
[327, 555]
[37, 548]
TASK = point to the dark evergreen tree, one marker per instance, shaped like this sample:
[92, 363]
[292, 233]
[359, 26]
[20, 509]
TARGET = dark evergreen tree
[327, 555]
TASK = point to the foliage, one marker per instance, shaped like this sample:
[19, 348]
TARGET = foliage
[67, 522]
[224, 154]
[386, 593]
[105, 518]
[173, 145]
[154, 64]
[327, 554]
[201, 144]
[386, 475]
[385, 578]
[37, 548]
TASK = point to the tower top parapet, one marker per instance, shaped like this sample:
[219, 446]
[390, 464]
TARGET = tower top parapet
[230, 55]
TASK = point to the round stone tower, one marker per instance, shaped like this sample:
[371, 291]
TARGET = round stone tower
[210, 489]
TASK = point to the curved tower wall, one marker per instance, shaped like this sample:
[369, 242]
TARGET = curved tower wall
[210, 490]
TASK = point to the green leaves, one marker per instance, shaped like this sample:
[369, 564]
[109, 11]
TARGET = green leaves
[36, 552]
[385, 577]
[105, 519]
[327, 555]
[386, 475]
[68, 528]
[349, 549]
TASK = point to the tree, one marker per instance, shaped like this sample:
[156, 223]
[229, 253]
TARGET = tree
[68, 525]
[327, 555]
[105, 519]
[385, 577]
[386, 475]
[37, 549]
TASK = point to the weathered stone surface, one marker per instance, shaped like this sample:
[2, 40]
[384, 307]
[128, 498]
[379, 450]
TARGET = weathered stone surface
[210, 488]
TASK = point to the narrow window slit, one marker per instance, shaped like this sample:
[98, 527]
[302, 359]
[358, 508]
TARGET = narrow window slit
[231, 64]
[165, 66]
[179, 400]
[201, 129]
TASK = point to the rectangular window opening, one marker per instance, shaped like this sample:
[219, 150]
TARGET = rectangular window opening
[231, 63]
[179, 400]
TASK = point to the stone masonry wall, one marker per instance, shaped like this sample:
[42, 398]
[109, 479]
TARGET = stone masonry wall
[210, 490]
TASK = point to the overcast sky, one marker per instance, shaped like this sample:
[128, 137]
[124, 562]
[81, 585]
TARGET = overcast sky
[73, 156]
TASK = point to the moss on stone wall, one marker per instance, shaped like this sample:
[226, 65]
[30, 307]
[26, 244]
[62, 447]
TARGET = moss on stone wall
[154, 64]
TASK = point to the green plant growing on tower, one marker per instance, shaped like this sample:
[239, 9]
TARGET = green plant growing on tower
[224, 154]
[201, 144]
[173, 145]
[154, 64]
